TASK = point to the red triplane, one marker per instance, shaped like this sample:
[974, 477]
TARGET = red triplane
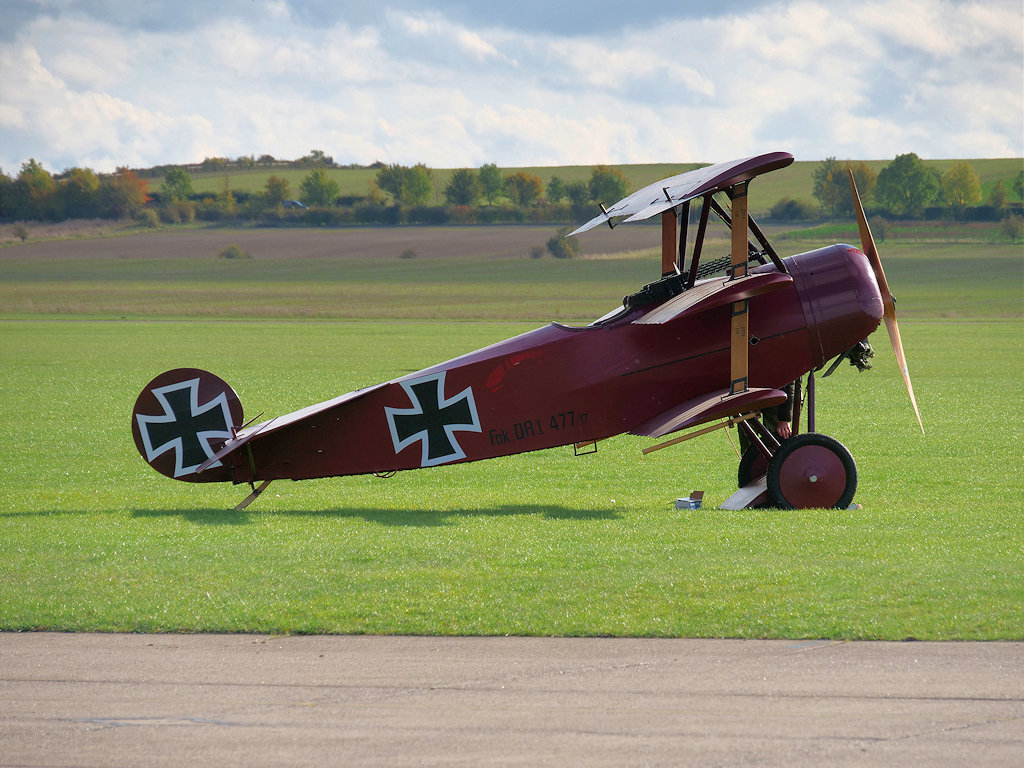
[681, 352]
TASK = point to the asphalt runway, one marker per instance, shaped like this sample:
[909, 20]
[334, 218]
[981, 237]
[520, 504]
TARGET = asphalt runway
[226, 700]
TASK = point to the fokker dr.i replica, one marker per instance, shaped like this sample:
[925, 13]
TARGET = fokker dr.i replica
[687, 350]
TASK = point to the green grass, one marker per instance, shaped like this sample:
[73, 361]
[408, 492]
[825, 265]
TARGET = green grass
[92, 540]
[905, 233]
[930, 282]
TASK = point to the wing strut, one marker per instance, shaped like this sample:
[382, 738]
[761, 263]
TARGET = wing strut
[668, 243]
[758, 234]
[698, 242]
[684, 220]
[738, 334]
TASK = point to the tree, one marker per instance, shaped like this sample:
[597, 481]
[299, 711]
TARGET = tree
[318, 188]
[34, 192]
[826, 190]
[832, 184]
[463, 187]
[1018, 184]
[178, 184]
[275, 191]
[79, 194]
[961, 186]
[7, 196]
[123, 193]
[418, 185]
[1013, 227]
[523, 188]
[997, 198]
[880, 227]
[373, 194]
[787, 209]
[607, 185]
[562, 247]
[556, 189]
[578, 192]
[407, 186]
[213, 164]
[907, 185]
[390, 179]
[316, 158]
[492, 182]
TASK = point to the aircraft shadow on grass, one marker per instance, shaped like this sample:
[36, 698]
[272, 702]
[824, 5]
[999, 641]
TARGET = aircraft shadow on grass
[419, 518]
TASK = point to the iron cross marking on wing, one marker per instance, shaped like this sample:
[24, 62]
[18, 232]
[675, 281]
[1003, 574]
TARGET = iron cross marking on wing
[186, 427]
[433, 419]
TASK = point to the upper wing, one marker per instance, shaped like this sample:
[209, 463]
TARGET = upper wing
[670, 192]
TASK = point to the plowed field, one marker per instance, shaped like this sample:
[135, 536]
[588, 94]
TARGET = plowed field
[357, 242]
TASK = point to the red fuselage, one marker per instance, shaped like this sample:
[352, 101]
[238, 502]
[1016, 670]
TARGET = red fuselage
[561, 385]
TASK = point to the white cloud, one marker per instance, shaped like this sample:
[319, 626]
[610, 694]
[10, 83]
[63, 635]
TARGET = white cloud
[433, 26]
[937, 77]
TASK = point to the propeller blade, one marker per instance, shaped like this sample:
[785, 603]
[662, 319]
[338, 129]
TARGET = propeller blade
[888, 306]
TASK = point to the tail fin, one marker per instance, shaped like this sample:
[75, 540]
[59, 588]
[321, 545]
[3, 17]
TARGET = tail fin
[180, 420]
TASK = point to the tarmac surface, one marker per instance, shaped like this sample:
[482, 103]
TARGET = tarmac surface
[225, 700]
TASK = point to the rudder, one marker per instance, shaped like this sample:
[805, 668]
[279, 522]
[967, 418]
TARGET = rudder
[180, 420]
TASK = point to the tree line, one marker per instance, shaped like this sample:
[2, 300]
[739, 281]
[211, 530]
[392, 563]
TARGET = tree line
[469, 187]
[396, 194]
[79, 193]
[905, 188]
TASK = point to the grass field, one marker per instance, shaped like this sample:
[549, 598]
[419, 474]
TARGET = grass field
[464, 273]
[543, 543]
[91, 539]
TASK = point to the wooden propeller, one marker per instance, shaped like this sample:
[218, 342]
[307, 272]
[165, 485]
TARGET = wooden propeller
[888, 306]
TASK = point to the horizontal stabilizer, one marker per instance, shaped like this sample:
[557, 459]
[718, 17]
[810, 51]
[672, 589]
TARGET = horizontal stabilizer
[234, 443]
[715, 293]
[714, 405]
[267, 427]
[675, 190]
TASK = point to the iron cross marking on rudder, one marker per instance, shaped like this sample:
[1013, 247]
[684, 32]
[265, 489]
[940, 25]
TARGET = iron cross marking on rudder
[186, 427]
[433, 419]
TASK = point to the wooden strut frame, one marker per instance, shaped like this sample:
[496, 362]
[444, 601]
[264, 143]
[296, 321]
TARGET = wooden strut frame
[698, 242]
[738, 331]
[728, 423]
[740, 225]
[668, 243]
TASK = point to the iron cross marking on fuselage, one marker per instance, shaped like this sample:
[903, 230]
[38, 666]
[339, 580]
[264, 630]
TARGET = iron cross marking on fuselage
[185, 426]
[433, 419]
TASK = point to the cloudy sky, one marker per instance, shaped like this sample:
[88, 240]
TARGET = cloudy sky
[103, 83]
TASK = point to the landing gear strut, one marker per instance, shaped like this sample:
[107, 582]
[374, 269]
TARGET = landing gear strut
[806, 471]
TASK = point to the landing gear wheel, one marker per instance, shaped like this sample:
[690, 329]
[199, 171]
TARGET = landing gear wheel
[752, 466]
[812, 471]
